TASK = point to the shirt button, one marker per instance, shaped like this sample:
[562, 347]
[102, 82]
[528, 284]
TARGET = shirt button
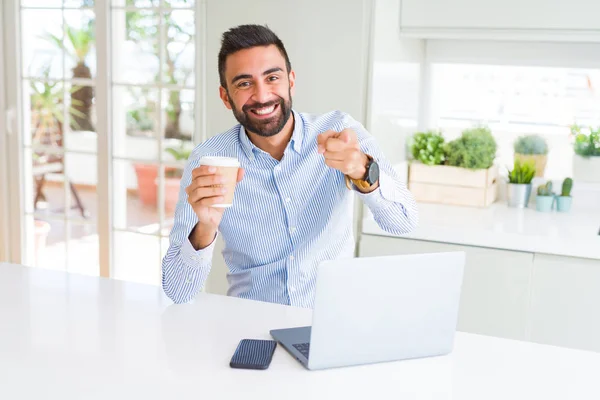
[292, 229]
[277, 168]
[287, 199]
[292, 258]
[292, 289]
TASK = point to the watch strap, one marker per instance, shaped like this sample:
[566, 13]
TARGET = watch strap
[360, 183]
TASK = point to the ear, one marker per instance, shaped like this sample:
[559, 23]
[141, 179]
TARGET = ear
[224, 97]
[292, 78]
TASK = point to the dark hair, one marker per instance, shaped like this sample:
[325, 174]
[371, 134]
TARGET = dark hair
[245, 37]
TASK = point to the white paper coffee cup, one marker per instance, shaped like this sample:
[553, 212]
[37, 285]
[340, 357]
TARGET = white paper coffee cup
[227, 167]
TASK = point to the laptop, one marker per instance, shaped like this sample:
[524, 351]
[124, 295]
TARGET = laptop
[380, 309]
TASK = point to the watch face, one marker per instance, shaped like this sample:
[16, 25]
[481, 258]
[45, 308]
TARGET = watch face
[373, 173]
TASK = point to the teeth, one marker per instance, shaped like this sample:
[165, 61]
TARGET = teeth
[263, 111]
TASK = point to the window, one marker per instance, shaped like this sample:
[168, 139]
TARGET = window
[517, 100]
[153, 125]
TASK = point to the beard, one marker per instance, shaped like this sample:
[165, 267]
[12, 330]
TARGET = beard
[264, 127]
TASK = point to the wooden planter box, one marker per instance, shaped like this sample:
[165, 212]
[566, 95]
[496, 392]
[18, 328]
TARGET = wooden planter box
[452, 185]
[586, 169]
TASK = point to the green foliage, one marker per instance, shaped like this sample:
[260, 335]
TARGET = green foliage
[180, 154]
[141, 28]
[47, 102]
[428, 147]
[531, 144]
[475, 149]
[545, 190]
[566, 187]
[522, 173]
[586, 145]
[79, 42]
[139, 119]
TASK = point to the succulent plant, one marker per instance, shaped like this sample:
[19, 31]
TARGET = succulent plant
[522, 172]
[566, 187]
[475, 149]
[428, 147]
[545, 190]
[586, 145]
[531, 144]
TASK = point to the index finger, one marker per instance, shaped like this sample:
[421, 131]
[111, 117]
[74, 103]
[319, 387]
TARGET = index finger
[322, 138]
[203, 170]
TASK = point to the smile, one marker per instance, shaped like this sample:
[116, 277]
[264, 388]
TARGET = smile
[265, 111]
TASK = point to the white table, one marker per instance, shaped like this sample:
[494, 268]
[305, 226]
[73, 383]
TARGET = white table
[69, 337]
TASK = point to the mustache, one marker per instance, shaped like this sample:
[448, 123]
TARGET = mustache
[248, 107]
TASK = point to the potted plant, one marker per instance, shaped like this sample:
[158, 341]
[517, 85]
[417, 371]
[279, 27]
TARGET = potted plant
[173, 176]
[563, 202]
[532, 147]
[474, 149]
[461, 172]
[586, 162]
[428, 148]
[519, 186]
[545, 197]
[78, 44]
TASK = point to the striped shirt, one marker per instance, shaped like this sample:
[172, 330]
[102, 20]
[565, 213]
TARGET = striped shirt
[287, 216]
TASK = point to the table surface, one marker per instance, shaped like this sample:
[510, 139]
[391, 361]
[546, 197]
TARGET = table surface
[75, 337]
[572, 234]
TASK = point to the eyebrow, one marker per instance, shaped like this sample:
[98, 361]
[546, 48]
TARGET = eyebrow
[247, 76]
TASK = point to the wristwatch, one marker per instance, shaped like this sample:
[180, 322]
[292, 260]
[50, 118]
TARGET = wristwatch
[369, 179]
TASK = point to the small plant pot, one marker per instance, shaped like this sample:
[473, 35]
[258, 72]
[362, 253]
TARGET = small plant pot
[563, 203]
[146, 175]
[544, 203]
[518, 194]
[171, 194]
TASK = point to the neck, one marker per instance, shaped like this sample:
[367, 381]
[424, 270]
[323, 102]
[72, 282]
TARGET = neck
[274, 145]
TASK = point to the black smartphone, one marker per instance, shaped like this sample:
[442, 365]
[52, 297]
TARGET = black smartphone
[253, 354]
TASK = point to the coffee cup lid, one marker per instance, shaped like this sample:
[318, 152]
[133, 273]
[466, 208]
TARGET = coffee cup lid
[217, 161]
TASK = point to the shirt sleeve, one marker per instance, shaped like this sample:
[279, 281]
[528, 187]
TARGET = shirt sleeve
[185, 269]
[393, 206]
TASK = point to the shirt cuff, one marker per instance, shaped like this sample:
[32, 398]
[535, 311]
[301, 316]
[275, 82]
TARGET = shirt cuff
[195, 258]
[383, 195]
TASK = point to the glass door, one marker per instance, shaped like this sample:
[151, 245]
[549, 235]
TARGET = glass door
[153, 124]
[59, 138]
[108, 116]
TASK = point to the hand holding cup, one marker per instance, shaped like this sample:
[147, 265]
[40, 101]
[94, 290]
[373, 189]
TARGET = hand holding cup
[212, 188]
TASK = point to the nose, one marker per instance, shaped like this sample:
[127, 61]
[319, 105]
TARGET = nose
[262, 94]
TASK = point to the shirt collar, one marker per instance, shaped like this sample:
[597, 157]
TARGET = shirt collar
[296, 141]
[247, 145]
[298, 134]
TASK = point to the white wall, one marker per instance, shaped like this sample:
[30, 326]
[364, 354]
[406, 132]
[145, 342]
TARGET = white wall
[326, 41]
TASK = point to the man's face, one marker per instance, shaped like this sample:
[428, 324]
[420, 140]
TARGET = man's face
[259, 89]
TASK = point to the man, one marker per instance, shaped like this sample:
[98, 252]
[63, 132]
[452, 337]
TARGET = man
[292, 204]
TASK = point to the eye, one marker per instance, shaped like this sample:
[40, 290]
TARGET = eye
[273, 78]
[244, 84]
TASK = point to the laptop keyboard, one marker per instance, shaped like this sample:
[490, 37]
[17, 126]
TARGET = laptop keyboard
[303, 348]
